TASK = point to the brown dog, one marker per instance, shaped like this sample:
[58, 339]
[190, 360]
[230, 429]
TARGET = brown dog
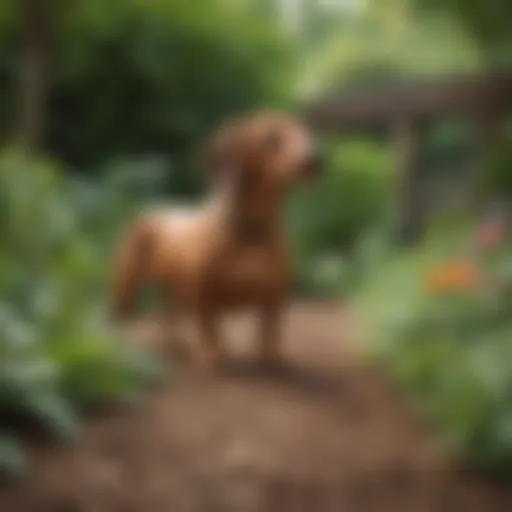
[231, 252]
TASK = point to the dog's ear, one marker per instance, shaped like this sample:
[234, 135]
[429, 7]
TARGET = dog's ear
[221, 156]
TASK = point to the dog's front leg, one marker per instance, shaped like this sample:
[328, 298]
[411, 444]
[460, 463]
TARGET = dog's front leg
[209, 353]
[270, 331]
[171, 326]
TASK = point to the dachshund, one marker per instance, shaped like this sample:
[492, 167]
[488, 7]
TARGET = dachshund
[231, 251]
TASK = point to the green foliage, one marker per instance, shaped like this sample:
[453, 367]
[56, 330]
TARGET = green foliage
[385, 43]
[486, 20]
[12, 457]
[447, 340]
[329, 217]
[151, 78]
[56, 352]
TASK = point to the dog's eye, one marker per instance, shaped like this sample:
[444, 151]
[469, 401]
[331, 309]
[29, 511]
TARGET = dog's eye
[273, 141]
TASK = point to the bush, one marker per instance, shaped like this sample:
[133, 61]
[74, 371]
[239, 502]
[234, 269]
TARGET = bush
[57, 354]
[440, 319]
[329, 218]
[149, 78]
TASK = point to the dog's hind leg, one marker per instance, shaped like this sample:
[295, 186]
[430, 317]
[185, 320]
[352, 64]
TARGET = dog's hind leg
[171, 327]
[129, 272]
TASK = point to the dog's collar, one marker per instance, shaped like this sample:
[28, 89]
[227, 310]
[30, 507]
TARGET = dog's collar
[251, 231]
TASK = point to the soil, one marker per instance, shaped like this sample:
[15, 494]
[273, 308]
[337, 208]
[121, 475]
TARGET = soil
[325, 433]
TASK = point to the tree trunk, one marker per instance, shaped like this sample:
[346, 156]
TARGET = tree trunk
[36, 18]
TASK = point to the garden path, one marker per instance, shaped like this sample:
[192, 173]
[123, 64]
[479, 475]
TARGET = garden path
[327, 433]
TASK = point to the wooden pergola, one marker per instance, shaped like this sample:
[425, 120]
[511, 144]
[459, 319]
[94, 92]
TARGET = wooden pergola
[403, 111]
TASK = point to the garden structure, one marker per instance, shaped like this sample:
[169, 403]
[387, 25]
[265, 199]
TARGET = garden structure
[405, 111]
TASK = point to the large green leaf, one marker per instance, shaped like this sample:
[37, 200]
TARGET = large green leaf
[13, 460]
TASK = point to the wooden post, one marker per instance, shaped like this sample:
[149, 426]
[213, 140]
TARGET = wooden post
[488, 139]
[407, 136]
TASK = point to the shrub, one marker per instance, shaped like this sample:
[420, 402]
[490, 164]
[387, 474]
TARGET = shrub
[329, 218]
[149, 78]
[440, 318]
[57, 354]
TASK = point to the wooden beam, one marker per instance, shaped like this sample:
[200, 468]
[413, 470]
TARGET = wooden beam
[367, 107]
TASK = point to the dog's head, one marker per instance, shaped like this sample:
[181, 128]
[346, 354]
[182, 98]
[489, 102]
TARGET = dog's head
[270, 151]
[257, 160]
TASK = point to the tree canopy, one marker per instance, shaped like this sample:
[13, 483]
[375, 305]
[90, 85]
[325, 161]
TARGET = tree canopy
[153, 77]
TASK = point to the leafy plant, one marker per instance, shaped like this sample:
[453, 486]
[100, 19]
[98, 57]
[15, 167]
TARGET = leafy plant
[57, 354]
[439, 317]
[12, 456]
[134, 78]
[329, 218]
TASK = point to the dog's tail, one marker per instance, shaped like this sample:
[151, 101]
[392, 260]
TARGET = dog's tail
[130, 271]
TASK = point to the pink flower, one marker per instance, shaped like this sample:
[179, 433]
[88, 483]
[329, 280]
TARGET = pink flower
[490, 234]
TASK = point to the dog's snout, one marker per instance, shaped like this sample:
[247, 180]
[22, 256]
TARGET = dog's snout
[314, 164]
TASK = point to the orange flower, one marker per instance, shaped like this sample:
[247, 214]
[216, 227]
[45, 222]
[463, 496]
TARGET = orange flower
[453, 276]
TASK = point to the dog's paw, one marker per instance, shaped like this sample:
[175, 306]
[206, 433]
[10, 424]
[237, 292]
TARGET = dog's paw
[208, 359]
[271, 360]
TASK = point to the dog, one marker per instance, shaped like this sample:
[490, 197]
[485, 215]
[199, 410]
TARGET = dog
[231, 251]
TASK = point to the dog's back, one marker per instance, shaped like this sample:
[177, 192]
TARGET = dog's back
[147, 253]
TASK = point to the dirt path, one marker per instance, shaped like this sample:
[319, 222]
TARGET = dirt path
[326, 434]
